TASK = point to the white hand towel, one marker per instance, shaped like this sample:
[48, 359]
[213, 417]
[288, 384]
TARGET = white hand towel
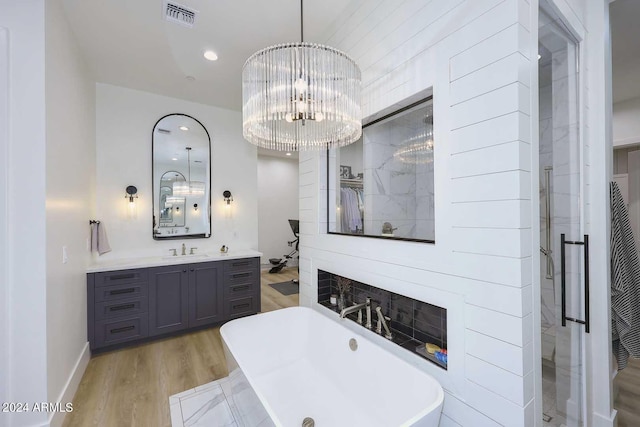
[99, 241]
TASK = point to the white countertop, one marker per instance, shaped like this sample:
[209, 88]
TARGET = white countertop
[129, 263]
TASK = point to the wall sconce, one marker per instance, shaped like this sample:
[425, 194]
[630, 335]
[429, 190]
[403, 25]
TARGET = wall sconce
[131, 196]
[227, 196]
[195, 207]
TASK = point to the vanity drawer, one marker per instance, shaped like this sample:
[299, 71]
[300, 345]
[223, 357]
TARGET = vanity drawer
[116, 331]
[241, 264]
[236, 307]
[241, 278]
[239, 289]
[120, 308]
[110, 278]
[119, 292]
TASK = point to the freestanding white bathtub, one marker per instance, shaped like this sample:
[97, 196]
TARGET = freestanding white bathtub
[296, 363]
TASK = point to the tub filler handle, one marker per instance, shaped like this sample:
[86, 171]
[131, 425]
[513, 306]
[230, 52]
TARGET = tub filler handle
[382, 322]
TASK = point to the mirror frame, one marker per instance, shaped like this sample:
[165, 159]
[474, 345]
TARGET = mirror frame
[155, 200]
[410, 103]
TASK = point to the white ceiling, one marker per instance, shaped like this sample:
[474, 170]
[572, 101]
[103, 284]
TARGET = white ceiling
[625, 40]
[129, 43]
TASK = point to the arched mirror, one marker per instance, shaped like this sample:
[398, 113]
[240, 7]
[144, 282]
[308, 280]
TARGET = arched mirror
[181, 178]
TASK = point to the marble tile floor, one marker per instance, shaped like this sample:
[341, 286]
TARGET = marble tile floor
[205, 405]
[550, 416]
[227, 402]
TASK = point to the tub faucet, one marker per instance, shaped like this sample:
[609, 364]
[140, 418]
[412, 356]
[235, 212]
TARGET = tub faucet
[358, 307]
[184, 249]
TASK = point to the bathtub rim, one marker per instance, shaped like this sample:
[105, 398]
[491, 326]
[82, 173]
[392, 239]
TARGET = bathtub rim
[437, 403]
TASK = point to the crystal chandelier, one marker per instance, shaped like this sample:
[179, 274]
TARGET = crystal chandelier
[419, 148]
[301, 96]
[188, 188]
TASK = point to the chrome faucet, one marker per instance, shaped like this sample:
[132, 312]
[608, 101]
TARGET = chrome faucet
[184, 249]
[358, 307]
[382, 323]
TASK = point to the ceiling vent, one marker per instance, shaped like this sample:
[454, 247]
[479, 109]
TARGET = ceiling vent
[180, 14]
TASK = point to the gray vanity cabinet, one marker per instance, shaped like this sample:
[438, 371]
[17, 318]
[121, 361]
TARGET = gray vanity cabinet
[168, 299]
[129, 306]
[205, 293]
[117, 308]
[241, 287]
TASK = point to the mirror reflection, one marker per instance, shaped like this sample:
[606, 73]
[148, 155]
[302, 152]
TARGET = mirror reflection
[171, 207]
[181, 178]
[383, 184]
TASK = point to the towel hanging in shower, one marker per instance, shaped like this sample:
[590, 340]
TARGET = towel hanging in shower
[625, 283]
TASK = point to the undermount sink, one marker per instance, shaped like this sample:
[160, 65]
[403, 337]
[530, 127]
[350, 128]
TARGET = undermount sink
[194, 256]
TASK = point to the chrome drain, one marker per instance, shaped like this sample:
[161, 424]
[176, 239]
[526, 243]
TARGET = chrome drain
[353, 345]
[308, 422]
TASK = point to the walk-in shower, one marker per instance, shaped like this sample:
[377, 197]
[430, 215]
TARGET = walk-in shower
[560, 198]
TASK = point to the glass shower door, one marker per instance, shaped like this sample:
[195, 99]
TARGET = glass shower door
[563, 260]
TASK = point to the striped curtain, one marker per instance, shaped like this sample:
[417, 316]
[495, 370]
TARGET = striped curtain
[625, 283]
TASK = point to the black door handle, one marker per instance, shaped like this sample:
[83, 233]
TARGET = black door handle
[563, 284]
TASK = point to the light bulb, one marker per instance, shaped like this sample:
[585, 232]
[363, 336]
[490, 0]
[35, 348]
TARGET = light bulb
[132, 209]
[289, 117]
[319, 117]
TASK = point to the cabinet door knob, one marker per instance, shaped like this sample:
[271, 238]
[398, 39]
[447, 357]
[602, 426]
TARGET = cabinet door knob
[193, 269]
[184, 271]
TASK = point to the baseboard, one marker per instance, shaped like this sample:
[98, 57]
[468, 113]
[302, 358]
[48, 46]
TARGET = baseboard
[70, 388]
[600, 420]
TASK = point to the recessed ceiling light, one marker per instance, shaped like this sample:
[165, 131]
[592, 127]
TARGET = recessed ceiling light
[183, 128]
[174, 158]
[288, 154]
[210, 55]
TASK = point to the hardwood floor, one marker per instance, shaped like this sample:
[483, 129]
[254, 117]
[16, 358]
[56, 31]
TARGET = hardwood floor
[627, 399]
[272, 299]
[131, 387]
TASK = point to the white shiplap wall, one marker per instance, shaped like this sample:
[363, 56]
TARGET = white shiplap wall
[476, 55]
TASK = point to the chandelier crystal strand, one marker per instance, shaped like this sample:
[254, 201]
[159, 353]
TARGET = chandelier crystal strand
[300, 96]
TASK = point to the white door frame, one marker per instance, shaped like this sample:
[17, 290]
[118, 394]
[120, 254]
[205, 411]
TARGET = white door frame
[4, 203]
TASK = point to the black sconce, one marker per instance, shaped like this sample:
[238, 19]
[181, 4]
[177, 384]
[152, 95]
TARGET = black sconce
[195, 207]
[132, 193]
[227, 196]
